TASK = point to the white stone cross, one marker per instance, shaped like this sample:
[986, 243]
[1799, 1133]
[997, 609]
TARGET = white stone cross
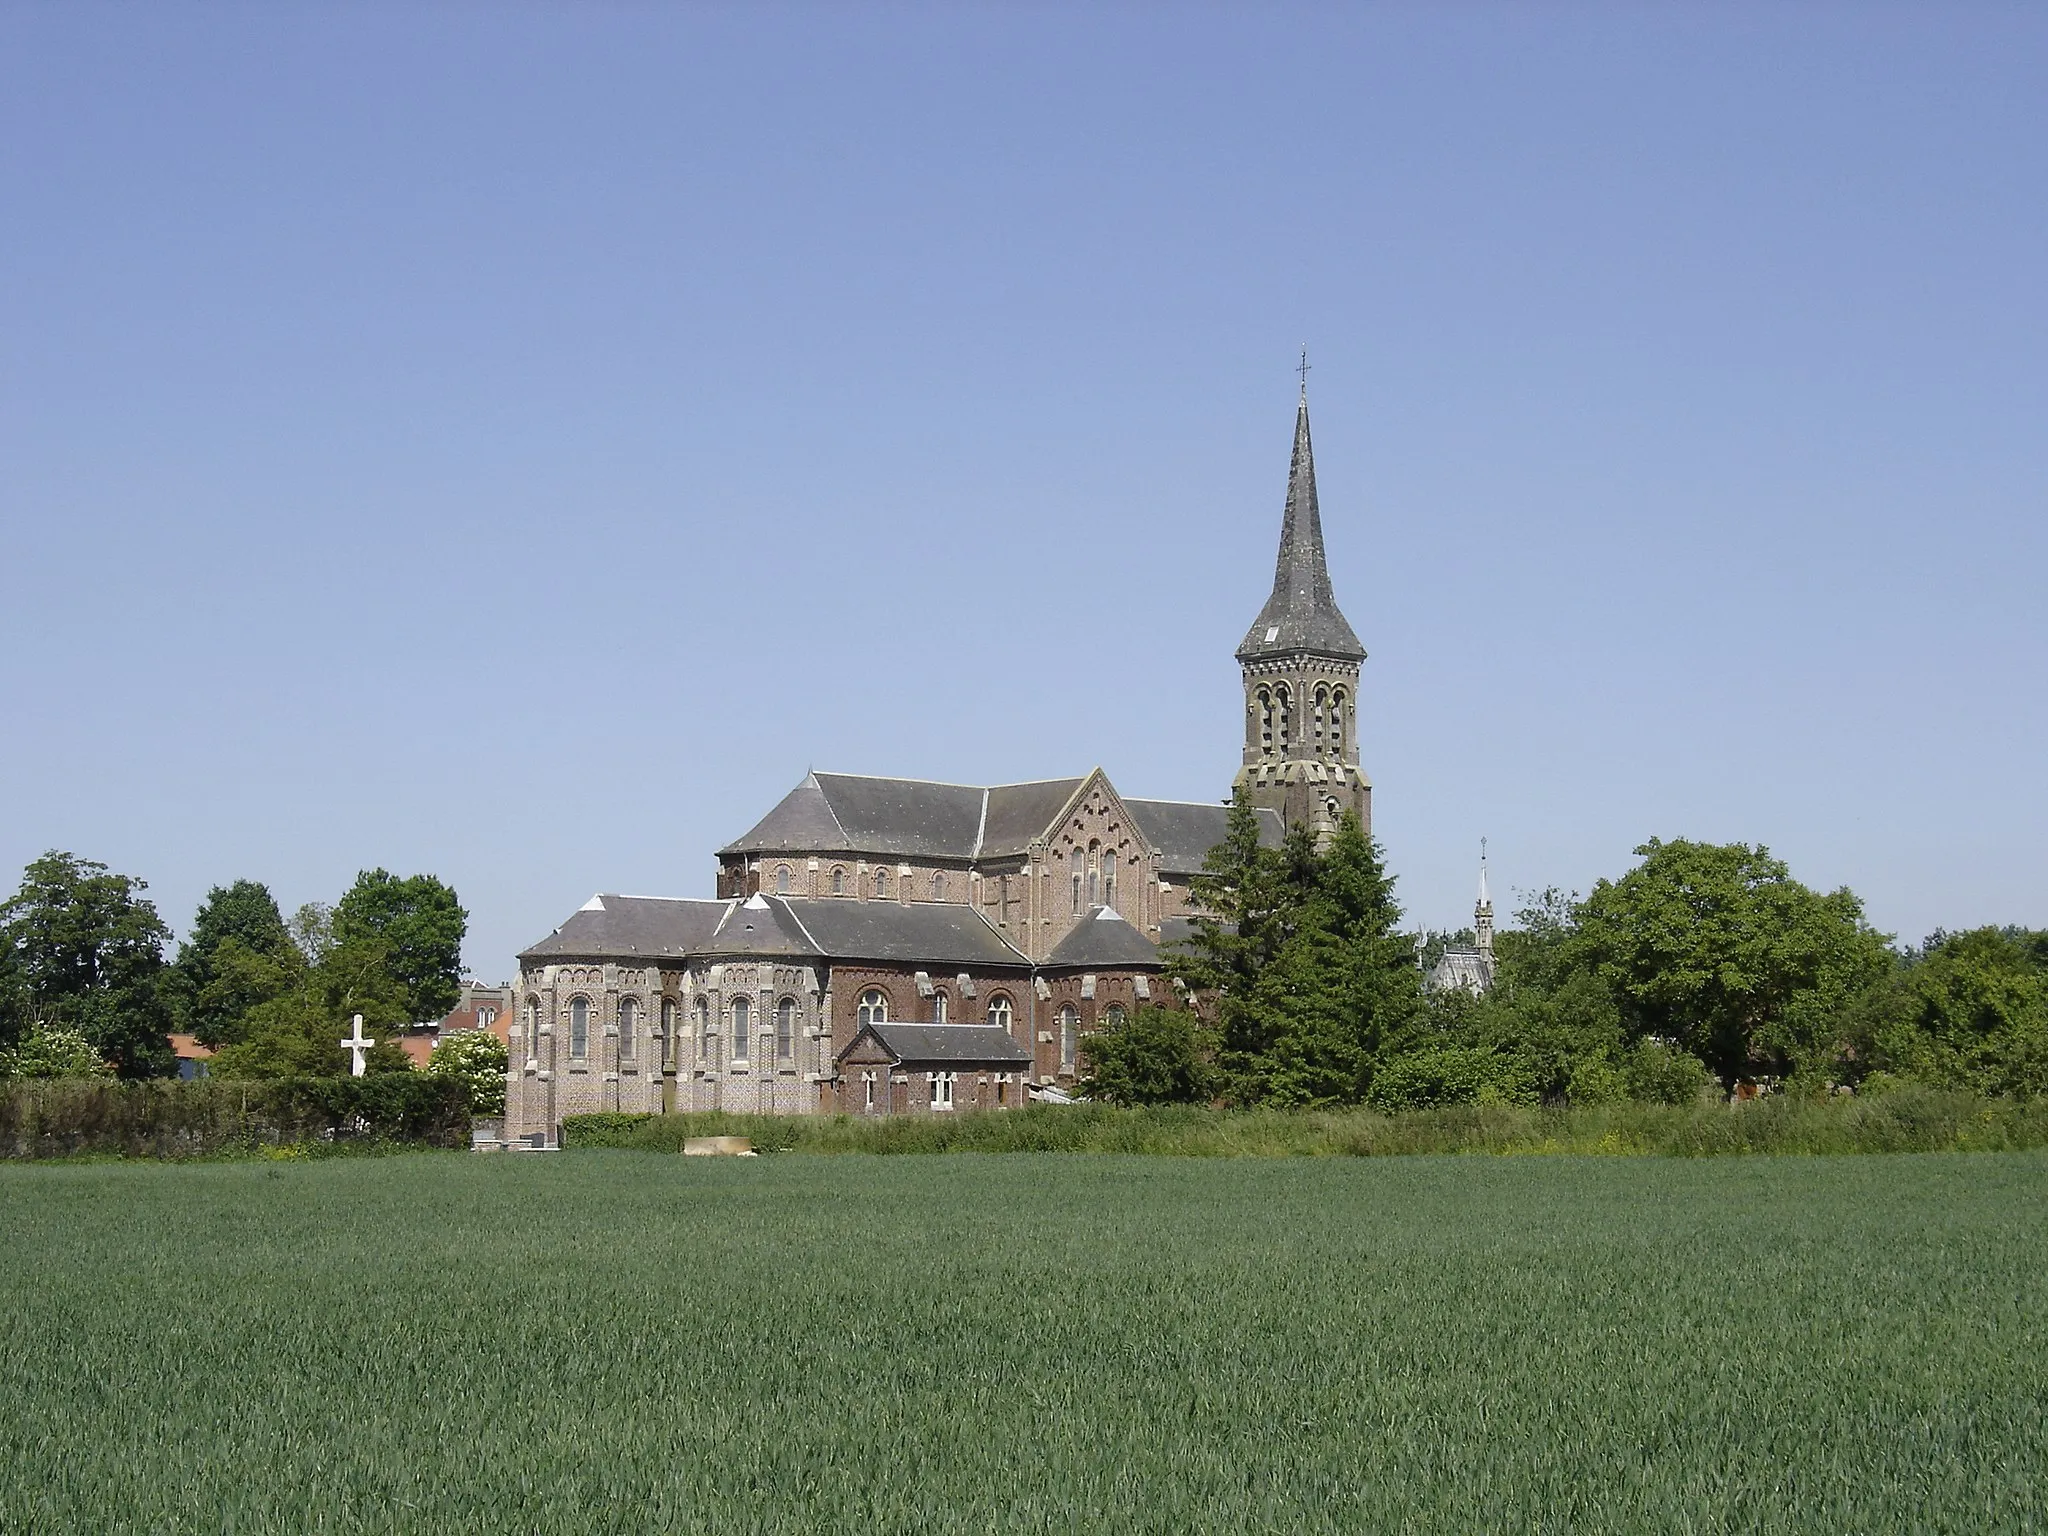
[356, 1044]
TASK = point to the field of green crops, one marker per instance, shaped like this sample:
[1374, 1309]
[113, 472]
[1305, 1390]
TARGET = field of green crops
[620, 1341]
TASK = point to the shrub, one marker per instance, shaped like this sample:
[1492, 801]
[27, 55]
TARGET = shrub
[1656, 1073]
[476, 1058]
[48, 1051]
[168, 1118]
[1156, 1056]
[1449, 1075]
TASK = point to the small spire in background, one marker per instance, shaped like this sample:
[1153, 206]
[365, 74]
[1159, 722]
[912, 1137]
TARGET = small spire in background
[1303, 371]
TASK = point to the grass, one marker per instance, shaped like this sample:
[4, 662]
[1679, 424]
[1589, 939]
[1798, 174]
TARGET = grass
[611, 1341]
[1908, 1120]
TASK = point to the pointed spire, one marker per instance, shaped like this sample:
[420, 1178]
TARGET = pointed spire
[1485, 897]
[1302, 613]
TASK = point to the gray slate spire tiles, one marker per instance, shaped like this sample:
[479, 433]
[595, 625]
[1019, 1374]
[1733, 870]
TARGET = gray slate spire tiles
[1302, 614]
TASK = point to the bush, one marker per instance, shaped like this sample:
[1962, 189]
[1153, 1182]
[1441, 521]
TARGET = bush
[476, 1058]
[1156, 1056]
[1449, 1075]
[47, 1051]
[168, 1118]
[1655, 1073]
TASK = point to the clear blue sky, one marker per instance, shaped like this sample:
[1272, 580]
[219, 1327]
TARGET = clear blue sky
[517, 443]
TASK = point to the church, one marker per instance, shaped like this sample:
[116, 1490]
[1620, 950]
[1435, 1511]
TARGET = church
[896, 946]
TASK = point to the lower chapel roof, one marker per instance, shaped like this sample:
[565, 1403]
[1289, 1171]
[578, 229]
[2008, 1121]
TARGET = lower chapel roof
[917, 818]
[802, 928]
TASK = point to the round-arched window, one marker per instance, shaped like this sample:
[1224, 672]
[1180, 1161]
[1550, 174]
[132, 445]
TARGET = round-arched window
[785, 1030]
[629, 1016]
[838, 881]
[939, 1007]
[874, 1008]
[1113, 1016]
[741, 1043]
[782, 879]
[999, 1013]
[1070, 1036]
[882, 883]
[579, 1026]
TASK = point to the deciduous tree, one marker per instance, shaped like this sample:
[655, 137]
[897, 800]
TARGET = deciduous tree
[419, 925]
[88, 950]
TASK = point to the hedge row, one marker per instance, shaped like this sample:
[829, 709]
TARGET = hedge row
[66, 1117]
[1907, 1120]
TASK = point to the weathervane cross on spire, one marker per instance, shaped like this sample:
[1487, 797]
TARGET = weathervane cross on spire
[1303, 371]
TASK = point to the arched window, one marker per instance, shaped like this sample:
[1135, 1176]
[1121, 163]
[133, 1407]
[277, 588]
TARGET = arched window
[1109, 877]
[1070, 1036]
[1078, 864]
[942, 1090]
[1095, 856]
[1322, 707]
[939, 1006]
[533, 1030]
[629, 1015]
[882, 884]
[785, 1030]
[1337, 742]
[873, 1008]
[999, 1012]
[1113, 1016]
[838, 880]
[579, 1028]
[1284, 724]
[939, 886]
[665, 1041]
[867, 1085]
[1266, 722]
[742, 1033]
[782, 879]
[707, 1037]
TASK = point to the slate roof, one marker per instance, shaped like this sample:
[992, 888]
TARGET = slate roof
[1017, 813]
[851, 813]
[1302, 613]
[1184, 831]
[631, 926]
[935, 932]
[919, 818]
[950, 1045]
[1104, 941]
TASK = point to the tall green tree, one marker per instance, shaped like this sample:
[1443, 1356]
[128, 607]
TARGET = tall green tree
[1299, 956]
[1971, 1011]
[238, 954]
[418, 924]
[1717, 947]
[87, 948]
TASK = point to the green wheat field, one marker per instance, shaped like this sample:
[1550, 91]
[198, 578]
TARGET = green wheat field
[612, 1341]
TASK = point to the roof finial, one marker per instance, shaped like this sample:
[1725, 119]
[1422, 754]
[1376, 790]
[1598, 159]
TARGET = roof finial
[1303, 371]
[1485, 897]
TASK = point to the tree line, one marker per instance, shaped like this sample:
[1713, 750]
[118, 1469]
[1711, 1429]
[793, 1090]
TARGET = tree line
[1703, 968]
[88, 985]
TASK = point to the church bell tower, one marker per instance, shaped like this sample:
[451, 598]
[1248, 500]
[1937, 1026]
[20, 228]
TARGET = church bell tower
[1300, 663]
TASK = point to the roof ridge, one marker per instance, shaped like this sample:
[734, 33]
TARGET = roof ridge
[1000, 936]
[809, 938]
[896, 778]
